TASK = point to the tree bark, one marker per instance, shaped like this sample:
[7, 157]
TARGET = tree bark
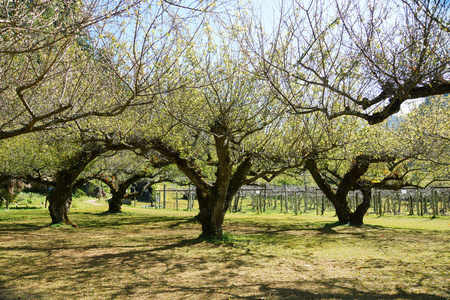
[60, 199]
[345, 214]
[343, 211]
[214, 198]
[119, 191]
[215, 203]
[115, 204]
[211, 214]
[350, 181]
[356, 218]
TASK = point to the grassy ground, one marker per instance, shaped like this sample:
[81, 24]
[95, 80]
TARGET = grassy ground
[156, 254]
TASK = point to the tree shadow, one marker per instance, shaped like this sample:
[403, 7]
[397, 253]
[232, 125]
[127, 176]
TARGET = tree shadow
[222, 290]
[180, 244]
[220, 283]
[135, 255]
[347, 293]
[18, 227]
[24, 208]
[328, 230]
[193, 220]
[104, 219]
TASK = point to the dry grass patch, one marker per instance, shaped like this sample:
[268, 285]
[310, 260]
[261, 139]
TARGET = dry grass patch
[155, 254]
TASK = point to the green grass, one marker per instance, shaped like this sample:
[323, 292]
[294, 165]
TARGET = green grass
[157, 254]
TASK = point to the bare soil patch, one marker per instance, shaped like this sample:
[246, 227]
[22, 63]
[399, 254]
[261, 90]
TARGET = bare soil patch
[95, 202]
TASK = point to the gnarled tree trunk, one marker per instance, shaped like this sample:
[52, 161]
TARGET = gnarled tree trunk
[211, 214]
[119, 191]
[356, 218]
[343, 211]
[214, 199]
[214, 204]
[345, 214]
[350, 181]
[60, 198]
[115, 204]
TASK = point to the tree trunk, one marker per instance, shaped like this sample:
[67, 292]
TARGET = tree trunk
[342, 208]
[211, 214]
[351, 180]
[236, 203]
[59, 211]
[115, 204]
[214, 199]
[60, 198]
[356, 218]
[344, 213]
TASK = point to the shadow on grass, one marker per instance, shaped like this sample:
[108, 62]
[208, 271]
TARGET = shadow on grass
[104, 219]
[221, 289]
[219, 283]
[185, 221]
[180, 244]
[23, 208]
[19, 227]
[346, 293]
[5, 293]
[327, 232]
[326, 228]
[8, 294]
[22, 222]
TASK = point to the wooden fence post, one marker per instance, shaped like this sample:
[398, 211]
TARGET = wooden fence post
[380, 204]
[316, 202]
[411, 205]
[273, 199]
[306, 201]
[421, 204]
[417, 203]
[445, 203]
[264, 199]
[188, 199]
[159, 200]
[164, 196]
[323, 204]
[295, 204]
[260, 203]
[433, 202]
[425, 205]
[375, 202]
[387, 203]
[286, 200]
